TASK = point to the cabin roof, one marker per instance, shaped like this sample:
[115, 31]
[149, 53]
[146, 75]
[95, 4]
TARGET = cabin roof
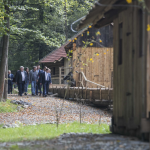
[102, 13]
[59, 53]
[55, 55]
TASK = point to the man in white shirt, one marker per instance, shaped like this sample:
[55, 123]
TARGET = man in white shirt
[45, 80]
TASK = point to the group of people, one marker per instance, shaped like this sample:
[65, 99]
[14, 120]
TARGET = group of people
[36, 77]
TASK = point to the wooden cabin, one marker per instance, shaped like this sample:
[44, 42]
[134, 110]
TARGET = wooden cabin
[131, 62]
[96, 59]
[54, 60]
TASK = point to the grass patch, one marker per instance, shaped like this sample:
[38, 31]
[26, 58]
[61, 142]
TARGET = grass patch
[48, 131]
[7, 107]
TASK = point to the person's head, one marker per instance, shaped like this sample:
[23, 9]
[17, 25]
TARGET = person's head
[9, 72]
[27, 69]
[45, 68]
[21, 68]
[49, 70]
[38, 67]
[34, 68]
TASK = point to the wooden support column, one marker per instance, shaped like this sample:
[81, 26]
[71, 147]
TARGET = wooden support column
[59, 75]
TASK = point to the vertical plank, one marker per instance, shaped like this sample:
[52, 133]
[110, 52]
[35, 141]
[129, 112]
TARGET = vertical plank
[148, 72]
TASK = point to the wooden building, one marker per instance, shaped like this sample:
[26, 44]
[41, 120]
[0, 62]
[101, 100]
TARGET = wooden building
[99, 70]
[54, 60]
[96, 62]
[131, 43]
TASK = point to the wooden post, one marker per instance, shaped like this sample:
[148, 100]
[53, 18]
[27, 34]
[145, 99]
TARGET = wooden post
[82, 92]
[85, 93]
[73, 93]
[108, 93]
[100, 94]
[59, 75]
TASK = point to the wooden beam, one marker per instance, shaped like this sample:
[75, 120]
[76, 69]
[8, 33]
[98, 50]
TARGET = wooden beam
[109, 17]
[96, 13]
[59, 75]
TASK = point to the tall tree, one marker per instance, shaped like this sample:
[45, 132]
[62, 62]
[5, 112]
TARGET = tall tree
[4, 52]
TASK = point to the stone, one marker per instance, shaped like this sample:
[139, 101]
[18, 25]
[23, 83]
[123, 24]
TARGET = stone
[25, 106]
[18, 108]
[15, 125]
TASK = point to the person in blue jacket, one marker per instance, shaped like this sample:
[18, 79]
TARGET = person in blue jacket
[45, 80]
[49, 71]
[10, 82]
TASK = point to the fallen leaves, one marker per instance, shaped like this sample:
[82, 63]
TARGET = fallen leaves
[44, 111]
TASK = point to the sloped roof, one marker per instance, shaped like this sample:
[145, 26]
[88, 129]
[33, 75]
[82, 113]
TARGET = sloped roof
[55, 55]
[59, 53]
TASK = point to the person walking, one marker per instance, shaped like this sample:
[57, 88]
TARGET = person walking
[33, 79]
[10, 82]
[50, 81]
[45, 80]
[27, 81]
[38, 85]
[20, 80]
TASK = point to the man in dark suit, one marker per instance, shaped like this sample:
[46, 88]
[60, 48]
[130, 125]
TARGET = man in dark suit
[21, 79]
[45, 80]
[10, 82]
[38, 85]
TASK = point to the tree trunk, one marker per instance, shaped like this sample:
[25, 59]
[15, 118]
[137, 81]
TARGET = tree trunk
[66, 28]
[4, 56]
[41, 17]
[6, 82]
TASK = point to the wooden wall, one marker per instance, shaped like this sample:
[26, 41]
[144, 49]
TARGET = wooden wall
[129, 99]
[98, 70]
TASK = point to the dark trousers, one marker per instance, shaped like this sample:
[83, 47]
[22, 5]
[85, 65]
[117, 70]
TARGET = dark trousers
[10, 88]
[45, 87]
[38, 87]
[21, 87]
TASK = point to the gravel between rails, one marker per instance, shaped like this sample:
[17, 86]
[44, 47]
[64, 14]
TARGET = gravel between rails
[43, 111]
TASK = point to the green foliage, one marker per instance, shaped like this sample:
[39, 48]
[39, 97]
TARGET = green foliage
[39, 26]
[48, 131]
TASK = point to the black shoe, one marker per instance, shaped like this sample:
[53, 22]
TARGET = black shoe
[25, 93]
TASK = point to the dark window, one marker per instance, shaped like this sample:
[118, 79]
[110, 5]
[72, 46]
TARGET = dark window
[120, 43]
[53, 71]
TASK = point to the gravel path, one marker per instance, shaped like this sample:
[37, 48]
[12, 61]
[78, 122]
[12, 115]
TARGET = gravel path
[80, 141]
[44, 111]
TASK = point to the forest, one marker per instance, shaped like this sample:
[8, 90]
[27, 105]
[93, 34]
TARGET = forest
[37, 27]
